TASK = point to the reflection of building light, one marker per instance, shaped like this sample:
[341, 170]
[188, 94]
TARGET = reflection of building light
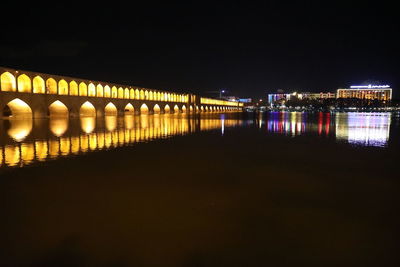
[370, 129]
[111, 123]
[88, 124]
[20, 128]
[58, 126]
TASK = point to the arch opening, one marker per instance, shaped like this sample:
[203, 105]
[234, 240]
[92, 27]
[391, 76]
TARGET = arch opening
[87, 110]
[73, 88]
[167, 109]
[144, 109]
[58, 109]
[183, 109]
[8, 82]
[17, 109]
[129, 109]
[38, 85]
[176, 109]
[156, 109]
[110, 110]
[24, 84]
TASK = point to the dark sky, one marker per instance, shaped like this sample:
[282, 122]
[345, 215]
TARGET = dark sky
[251, 49]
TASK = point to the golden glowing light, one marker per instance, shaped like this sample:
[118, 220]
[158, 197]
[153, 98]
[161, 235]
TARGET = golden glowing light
[24, 84]
[129, 109]
[62, 87]
[8, 82]
[73, 88]
[19, 109]
[88, 124]
[58, 109]
[38, 85]
[82, 89]
[110, 110]
[58, 126]
[144, 109]
[51, 86]
[87, 110]
[20, 128]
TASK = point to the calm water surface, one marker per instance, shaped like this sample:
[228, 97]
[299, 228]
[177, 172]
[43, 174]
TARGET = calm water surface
[273, 189]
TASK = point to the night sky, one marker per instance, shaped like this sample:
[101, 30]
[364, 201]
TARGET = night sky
[199, 47]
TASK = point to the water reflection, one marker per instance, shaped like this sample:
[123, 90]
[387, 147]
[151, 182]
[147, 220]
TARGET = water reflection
[58, 126]
[370, 129]
[64, 137]
[366, 129]
[19, 129]
[25, 141]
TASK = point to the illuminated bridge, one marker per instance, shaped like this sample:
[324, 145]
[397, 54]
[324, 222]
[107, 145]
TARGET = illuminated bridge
[37, 95]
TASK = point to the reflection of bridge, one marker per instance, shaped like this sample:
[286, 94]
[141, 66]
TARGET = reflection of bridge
[23, 142]
[32, 94]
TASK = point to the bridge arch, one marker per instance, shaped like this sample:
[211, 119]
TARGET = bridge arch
[91, 90]
[99, 90]
[17, 109]
[176, 109]
[144, 109]
[58, 109]
[87, 110]
[110, 110]
[114, 92]
[132, 94]
[121, 92]
[167, 109]
[129, 109]
[156, 109]
[62, 87]
[73, 88]
[107, 91]
[183, 109]
[82, 89]
[8, 82]
[24, 84]
[39, 85]
[191, 108]
[51, 86]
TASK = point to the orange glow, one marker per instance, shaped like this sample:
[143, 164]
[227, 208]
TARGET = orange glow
[38, 85]
[24, 84]
[156, 109]
[144, 109]
[107, 91]
[51, 86]
[62, 87]
[58, 109]
[87, 110]
[8, 82]
[110, 110]
[19, 109]
[167, 109]
[73, 88]
[99, 91]
[91, 90]
[82, 89]
[129, 109]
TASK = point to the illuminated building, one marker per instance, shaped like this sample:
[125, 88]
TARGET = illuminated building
[299, 95]
[370, 92]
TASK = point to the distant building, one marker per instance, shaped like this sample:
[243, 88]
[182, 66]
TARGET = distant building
[372, 92]
[245, 100]
[299, 95]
